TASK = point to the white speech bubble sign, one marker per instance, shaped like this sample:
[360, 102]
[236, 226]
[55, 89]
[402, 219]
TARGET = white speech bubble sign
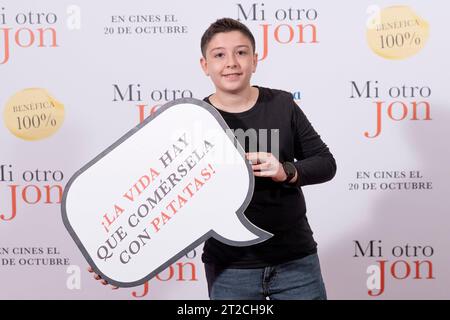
[162, 189]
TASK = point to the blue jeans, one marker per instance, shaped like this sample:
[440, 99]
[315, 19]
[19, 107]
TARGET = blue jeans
[294, 280]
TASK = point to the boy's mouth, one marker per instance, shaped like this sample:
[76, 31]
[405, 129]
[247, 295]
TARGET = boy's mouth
[232, 76]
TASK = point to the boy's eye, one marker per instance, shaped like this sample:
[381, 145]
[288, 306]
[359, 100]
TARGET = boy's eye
[218, 55]
[242, 52]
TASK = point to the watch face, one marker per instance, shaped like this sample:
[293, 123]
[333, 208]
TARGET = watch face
[290, 169]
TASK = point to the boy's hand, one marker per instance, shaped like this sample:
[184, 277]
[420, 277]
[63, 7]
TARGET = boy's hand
[267, 165]
[102, 281]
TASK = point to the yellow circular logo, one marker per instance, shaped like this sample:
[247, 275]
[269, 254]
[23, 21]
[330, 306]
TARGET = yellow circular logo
[33, 114]
[396, 32]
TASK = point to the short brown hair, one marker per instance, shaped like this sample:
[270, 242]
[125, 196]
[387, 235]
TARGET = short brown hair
[225, 25]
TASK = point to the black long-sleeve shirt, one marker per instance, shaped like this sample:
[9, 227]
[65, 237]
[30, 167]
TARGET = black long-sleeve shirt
[276, 207]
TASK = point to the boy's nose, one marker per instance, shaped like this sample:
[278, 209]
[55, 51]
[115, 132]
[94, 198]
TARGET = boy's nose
[231, 62]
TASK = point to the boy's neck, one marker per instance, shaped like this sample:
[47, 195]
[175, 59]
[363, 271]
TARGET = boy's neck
[235, 102]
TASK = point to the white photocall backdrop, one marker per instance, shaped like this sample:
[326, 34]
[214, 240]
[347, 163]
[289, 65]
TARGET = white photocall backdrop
[372, 77]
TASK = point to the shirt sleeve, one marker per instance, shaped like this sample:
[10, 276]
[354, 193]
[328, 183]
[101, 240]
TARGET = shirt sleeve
[315, 163]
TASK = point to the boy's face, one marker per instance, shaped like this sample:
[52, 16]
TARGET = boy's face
[229, 61]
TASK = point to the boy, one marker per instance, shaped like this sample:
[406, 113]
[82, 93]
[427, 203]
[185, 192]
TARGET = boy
[285, 266]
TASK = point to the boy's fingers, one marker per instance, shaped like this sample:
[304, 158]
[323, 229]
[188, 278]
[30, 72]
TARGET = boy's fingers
[261, 166]
[261, 173]
[256, 167]
[98, 277]
[257, 157]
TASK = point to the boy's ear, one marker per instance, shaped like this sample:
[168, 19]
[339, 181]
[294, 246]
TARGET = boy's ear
[255, 61]
[204, 65]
